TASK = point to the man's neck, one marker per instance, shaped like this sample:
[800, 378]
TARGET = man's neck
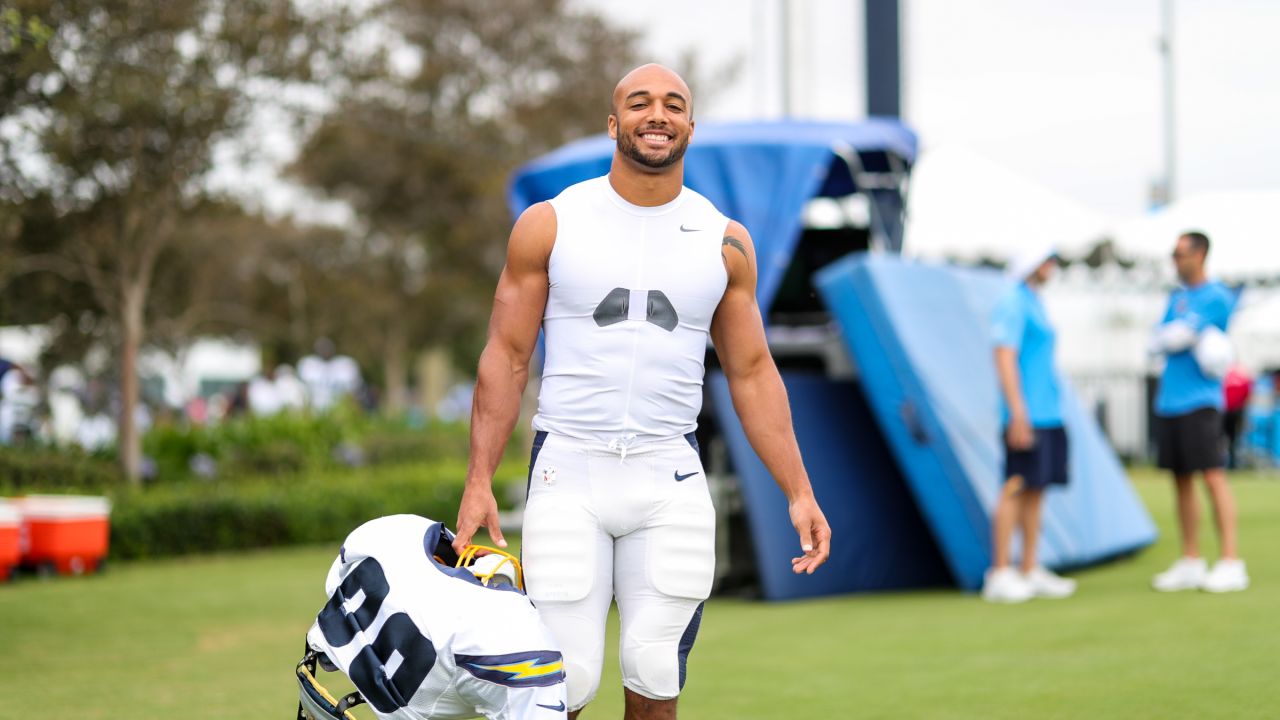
[646, 189]
[1196, 280]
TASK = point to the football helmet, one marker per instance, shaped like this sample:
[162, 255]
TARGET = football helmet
[492, 567]
[314, 701]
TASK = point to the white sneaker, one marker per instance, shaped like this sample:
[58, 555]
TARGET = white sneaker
[1227, 576]
[1185, 574]
[1005, 585]
[1046, 584]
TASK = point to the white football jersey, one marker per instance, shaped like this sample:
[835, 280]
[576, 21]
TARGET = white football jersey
[421, 639]
[632, 293]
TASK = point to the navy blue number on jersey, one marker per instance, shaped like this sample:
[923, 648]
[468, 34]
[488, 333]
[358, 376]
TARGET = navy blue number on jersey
[398, 635]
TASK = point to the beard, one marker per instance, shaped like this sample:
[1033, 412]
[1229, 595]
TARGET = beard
[628, 146]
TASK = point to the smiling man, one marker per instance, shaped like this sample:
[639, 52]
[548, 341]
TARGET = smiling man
[627, 275]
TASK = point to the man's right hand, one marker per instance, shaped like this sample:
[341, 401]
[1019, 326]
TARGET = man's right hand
[478, 510]
[1020, 436]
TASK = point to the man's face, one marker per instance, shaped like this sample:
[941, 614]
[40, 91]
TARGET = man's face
[1044, 273]
[1187, 259]
[652, 121]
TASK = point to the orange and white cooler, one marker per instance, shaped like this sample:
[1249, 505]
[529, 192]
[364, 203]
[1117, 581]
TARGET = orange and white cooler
[10, 524]
[67, 531]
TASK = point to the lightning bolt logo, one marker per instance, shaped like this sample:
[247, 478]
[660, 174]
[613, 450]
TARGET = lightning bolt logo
[531, 669]
[527, 669]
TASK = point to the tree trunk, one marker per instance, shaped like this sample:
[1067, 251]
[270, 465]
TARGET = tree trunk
[395, 368]
[435, 377]
[298, 315]
[131, 324]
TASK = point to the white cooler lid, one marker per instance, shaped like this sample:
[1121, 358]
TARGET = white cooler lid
[9, 513]
[63, 507]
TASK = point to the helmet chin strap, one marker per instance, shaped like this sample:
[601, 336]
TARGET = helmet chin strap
[490, 578]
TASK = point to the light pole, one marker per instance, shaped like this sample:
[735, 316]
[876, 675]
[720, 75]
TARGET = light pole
[882, 40]
[785, 28]
[1166, 194]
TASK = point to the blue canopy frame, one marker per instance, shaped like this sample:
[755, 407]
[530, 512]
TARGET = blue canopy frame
[761, 174]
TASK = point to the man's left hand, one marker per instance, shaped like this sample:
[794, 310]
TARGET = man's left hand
[815, 535]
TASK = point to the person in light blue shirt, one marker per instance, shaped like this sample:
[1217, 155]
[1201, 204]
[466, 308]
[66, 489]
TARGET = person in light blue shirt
[1188, 406]
[1035, 440]
[1185, 387]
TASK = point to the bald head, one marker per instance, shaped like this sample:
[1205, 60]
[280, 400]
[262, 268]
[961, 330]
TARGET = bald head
[652, 80]
[652, 119]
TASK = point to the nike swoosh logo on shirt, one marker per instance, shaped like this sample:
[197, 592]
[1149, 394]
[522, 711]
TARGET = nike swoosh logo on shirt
[686, 476]
[553, 708]
[685, 229]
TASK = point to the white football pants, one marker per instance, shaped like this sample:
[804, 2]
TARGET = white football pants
[631, 523]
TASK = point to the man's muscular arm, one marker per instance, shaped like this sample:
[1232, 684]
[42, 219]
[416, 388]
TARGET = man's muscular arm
[760, 397]
[518, 305]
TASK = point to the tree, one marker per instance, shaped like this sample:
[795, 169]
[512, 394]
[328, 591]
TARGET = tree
[30, 244]
[421, 149]
[119, 115]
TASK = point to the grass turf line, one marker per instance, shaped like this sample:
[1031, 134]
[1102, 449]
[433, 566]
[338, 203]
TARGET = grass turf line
[218, 636]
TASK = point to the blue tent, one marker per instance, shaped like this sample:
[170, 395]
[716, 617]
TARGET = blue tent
[761, 174]
[901, 517]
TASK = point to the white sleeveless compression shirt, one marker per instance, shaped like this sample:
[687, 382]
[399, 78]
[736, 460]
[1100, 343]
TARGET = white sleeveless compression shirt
[632, 293]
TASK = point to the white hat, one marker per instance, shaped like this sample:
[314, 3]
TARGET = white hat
[1028, 257]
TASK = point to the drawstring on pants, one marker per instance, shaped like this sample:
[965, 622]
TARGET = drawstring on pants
[620, 445]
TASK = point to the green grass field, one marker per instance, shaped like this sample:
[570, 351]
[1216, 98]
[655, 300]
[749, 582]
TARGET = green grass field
[217, 637]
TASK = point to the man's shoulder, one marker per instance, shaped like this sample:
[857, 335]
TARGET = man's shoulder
[1016, 295]
[695, 201]
[1010, 310]
[578, 190]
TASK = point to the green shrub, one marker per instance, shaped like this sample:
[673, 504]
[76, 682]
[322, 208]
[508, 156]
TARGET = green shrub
[42, 469]
[196, 517]
[292, 443]
[284, 443]
[390, 444]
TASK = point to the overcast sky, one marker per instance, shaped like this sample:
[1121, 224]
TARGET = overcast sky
[1066, 93]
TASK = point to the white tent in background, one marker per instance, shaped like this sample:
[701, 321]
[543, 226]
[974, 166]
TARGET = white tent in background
[1255, 329]
[1243, 226]
[963, 206]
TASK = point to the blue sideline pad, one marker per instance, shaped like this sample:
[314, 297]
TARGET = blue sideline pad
[881, 542]
[919, 335]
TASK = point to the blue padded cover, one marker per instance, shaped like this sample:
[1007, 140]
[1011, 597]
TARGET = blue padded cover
[919, 335]
[880, 540]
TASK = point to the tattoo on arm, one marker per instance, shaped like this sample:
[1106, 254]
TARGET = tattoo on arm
[736, 243]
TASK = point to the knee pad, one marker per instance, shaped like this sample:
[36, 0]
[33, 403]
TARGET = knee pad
[655, 648]
[580, 638]
[581, 682]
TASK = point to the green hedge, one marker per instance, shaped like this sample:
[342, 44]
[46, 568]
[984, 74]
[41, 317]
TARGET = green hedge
[40, 469]
[247, 448]
[269, 512]
[292, 443]
[285, 443]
